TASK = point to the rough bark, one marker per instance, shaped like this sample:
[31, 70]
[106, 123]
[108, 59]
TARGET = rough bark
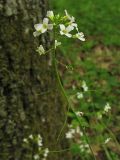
[29, 99]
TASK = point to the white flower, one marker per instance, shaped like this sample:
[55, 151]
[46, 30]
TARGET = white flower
[107, 107]
[36, 157]
[39, 137]
[31, 136]
[79, 113]
[84, 86]
[46, 152]
[50, 14]
[65, 30]
[69, 135]
[40, 50]
[25, 140]
[107, 140]
[57, 43]
[72, 19]
[40, 143]
[79, 95]
[42, 28]
[74, 25]
[80, 36]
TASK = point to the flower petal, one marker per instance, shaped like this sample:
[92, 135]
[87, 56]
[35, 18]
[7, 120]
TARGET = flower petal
[38, 27]
[43, 30]
[62, 27]
[61, 33]
[69, 28]
[50, 14]
[68, 35]
[74, 25]
[36, 33]
[45, 21]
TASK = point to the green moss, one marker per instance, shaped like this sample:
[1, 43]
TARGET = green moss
[28, 92]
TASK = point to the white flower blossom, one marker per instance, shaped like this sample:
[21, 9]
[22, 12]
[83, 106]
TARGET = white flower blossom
[73, 25]
[31, 136]
[57, 43]
[107, 107]
[80, 36]
[40, 50]
[40, 143]
[70, 133]
[72, 19]
[79, 95]
[50, 14]
[65, 30]
[25, 140]
[46, 152]
[79, 113]
[84, 86]
[36, 157]
[42, 27]
[84, 147]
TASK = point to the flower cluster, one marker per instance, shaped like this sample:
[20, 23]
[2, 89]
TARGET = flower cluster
[107, 108]
[62, 25]
[73, 131]
[37, 139]
[77, 135]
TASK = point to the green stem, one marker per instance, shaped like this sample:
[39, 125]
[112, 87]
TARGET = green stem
[67, 100]
[69, 107]
[56, 151]
[61, 89]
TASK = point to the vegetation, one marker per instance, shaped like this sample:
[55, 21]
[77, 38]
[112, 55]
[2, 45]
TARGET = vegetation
[95, 62]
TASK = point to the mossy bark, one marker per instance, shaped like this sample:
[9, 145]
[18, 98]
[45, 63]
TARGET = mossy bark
[30, 102]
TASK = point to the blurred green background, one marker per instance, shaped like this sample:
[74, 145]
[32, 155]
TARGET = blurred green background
[97, 62]
[98, 19]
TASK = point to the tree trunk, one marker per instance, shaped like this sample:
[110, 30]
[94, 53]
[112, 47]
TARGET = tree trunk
[29, 99]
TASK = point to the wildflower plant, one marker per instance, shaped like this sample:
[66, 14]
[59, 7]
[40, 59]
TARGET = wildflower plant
[59, 25]
[35, 144]
[66, 26]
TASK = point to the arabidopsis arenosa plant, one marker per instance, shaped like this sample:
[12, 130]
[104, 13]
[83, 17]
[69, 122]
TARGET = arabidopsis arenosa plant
[61, 26]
